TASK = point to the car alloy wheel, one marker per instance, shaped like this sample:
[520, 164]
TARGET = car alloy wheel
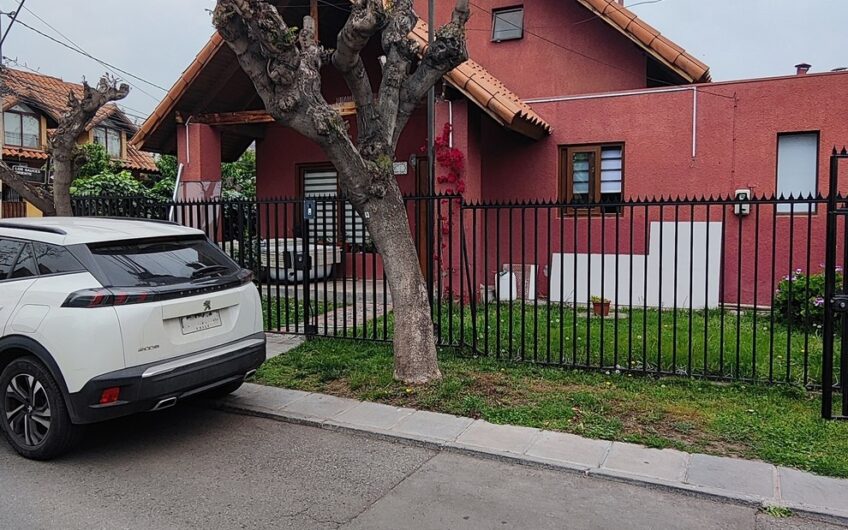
[27, 408]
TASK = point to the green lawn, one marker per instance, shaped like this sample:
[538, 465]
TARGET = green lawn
[284, 314]
[724, 345]
[778, 424]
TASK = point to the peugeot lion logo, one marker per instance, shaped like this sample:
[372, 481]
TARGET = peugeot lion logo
[207, 305]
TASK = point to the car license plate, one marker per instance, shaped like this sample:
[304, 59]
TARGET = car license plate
[200, 322]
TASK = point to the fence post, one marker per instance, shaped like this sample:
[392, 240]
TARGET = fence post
[306, 266]
[829, 291]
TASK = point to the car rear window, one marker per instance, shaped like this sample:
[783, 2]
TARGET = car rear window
[53, 259]
[161, 262]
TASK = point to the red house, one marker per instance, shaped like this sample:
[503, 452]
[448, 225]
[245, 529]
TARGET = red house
[562, 100]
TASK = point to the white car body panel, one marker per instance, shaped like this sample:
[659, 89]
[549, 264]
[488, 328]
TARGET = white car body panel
[89, 342]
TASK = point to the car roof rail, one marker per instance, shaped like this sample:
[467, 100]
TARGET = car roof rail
[143, 219]
[34, 228]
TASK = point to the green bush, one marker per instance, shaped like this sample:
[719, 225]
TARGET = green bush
[121, 184]
[799, 299]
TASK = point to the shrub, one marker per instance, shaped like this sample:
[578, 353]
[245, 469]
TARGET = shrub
[799, 300]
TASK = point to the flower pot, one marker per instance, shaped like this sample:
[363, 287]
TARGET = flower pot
[601, 309]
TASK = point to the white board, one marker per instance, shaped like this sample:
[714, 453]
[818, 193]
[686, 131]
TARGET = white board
[596, 273]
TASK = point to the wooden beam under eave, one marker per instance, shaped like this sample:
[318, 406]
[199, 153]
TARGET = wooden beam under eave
[234, 118]
[247, 117]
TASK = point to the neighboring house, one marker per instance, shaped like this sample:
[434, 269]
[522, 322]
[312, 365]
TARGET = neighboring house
[568, 100]
[32, 106]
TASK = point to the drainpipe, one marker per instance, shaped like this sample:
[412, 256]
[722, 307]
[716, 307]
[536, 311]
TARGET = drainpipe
[693, 89]
[694, 122]
[450, 121]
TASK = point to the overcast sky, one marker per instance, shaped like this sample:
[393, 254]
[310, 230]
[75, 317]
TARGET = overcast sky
[156, 39]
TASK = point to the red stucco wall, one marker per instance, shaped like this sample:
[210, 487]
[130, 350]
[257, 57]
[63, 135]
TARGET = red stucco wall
[736, 147]
[565, 49]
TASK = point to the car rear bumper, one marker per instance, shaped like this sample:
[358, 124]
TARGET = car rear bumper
[143, 387]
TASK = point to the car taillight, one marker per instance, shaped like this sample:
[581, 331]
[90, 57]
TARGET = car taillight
[110, 395]
[105, 297]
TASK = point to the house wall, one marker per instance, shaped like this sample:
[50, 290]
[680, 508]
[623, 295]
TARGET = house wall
[565, 49]
[737, 125]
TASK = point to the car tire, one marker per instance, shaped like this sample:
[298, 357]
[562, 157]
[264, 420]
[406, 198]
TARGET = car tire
[34, 415]
[223, 390]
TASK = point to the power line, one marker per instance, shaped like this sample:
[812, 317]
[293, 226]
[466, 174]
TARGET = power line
[113, 72]
[86, 54]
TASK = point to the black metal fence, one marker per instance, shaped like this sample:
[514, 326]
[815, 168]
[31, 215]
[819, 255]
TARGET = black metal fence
[718, 288]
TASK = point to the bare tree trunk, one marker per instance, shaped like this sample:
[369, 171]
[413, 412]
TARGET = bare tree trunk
[36, 195]
[414, 341]
[63, 177]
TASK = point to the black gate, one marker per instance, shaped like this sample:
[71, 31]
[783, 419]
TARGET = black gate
[835, 359]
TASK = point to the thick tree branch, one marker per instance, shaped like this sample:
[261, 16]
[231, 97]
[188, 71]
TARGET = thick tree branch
[366, 19]
[35, 194]
[448, 51]
[401, 52]
[63, 140]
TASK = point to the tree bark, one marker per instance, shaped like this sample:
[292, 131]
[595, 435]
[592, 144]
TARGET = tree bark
[415, 360]
[285, 69]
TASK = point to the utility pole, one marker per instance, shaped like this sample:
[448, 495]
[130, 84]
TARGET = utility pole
[2, 124]
[431, 153]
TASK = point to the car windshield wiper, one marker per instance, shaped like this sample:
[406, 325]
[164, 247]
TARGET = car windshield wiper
[209, 270]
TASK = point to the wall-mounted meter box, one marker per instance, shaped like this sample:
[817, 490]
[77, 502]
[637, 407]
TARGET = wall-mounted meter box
[742, 206]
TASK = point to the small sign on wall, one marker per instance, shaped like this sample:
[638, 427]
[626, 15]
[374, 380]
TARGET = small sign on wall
[31, 174]
[401, 168]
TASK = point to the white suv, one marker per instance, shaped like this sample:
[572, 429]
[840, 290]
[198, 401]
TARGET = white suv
[101, 318]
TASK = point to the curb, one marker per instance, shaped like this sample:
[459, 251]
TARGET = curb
[824, 514]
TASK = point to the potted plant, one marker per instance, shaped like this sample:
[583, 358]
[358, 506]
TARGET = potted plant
[600, 306]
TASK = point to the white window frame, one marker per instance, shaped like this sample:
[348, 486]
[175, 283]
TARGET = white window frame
[797, 169]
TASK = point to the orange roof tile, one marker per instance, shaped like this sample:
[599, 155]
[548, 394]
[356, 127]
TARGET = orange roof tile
[26, 154]
[50, 95]
[481, 87]
[651, 40]
[139, 160]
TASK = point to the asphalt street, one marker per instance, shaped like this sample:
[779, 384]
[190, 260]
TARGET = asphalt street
[191, 467]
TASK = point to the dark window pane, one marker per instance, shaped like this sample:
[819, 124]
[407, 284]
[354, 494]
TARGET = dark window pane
[9, 251]
[161, 263]
[508, 24]
[31, 131]
[12, 128]
[53, 259]
[25, 267]
[581, 164]
[113, 143]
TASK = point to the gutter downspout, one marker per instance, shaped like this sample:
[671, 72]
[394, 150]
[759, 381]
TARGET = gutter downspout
[176, 192]
[694, 122]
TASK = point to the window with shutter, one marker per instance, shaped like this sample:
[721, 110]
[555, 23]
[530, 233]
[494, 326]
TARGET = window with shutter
[593, 176]
[323, 185]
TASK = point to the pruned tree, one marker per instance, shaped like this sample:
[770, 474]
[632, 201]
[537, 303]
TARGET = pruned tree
[63, 147]
[284, 65]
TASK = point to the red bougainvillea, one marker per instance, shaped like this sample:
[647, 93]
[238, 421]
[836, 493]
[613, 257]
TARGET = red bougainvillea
[450, 181]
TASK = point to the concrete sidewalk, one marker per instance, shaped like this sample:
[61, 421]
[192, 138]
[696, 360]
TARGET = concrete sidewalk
[743, 481]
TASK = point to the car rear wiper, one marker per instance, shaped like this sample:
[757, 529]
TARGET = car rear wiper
[209, 270]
